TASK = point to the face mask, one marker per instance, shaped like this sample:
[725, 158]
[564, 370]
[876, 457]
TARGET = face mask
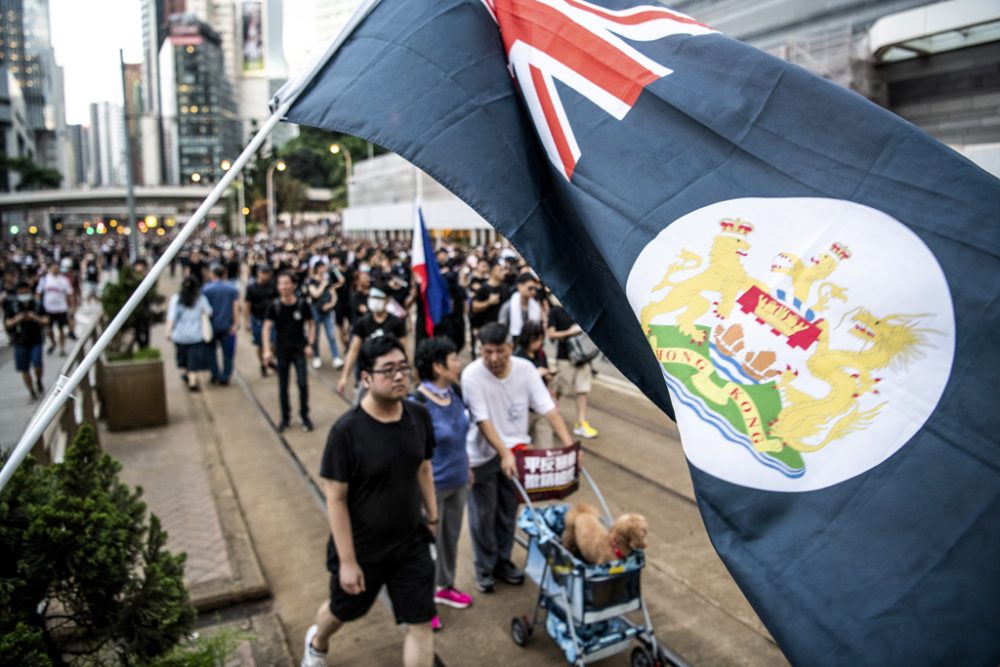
[365, 268]
[376, 305]
[24, 298]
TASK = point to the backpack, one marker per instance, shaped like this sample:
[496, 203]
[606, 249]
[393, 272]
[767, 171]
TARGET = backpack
[581, 349]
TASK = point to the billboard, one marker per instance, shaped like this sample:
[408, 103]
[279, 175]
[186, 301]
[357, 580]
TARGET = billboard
[253, 36]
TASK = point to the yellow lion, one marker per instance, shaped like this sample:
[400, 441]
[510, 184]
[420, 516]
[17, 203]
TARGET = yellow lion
[724, 275]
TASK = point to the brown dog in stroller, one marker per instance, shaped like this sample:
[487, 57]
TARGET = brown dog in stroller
[586, 535]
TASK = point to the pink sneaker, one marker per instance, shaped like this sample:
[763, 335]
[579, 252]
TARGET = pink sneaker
[453, 598]
[436, 624]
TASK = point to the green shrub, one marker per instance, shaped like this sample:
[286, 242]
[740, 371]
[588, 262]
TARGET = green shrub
[147, 313]
[212, 650]
[142, 354]
[84, 578]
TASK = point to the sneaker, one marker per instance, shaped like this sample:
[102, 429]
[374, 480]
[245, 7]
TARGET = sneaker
[436, 624]
[317, 362]
[584, 430]
[338, 363]
[508, 573]
[32, 397]
[283, 426]
[307, 424]
[485, 583]
[310, 656]
[263, 371]
[453, 598]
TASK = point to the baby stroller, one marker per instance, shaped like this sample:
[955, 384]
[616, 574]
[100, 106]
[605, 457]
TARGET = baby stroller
[586, 605]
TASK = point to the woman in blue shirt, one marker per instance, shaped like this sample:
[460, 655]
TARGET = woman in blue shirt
[437, 363]
[184, 328]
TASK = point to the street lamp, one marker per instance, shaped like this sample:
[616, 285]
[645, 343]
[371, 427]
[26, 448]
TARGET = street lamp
[280, 166]
[348, 163]
[241, 215]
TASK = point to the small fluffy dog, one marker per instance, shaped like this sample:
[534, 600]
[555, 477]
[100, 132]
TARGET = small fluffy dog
[586, 534]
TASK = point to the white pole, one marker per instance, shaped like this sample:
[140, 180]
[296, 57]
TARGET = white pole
[65, 387]
[241, 203]
[270, 199]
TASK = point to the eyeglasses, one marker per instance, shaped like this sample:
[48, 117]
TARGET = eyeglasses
[391, 371]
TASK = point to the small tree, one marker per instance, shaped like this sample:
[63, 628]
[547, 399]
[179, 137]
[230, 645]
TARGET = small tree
[84, 579]
[149, 311]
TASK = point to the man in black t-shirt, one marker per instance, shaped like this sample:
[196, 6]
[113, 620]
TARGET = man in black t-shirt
[486, 302]
[376, 472]
[291, 318]
[258, 297]
[376, 322]
[24, 320]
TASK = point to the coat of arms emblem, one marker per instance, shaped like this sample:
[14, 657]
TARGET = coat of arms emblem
[786, 354]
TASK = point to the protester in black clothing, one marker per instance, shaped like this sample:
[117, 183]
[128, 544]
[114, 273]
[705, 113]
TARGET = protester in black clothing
[530, 345]
[25, 321]
[377, 476]
[359, 295]
[487, 301]
[291, 318]
[196, 266]
[377, 322]
[259, 296]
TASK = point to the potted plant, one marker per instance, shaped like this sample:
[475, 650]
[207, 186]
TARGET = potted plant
[130, 377]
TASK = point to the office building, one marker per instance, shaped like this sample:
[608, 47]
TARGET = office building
[200, 119]
[26, 53]
[106, 163]
[935, 64]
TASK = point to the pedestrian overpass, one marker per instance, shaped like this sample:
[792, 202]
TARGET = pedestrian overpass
[43, 209]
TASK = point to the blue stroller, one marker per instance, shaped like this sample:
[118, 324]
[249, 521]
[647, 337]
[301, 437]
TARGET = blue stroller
[586, 605]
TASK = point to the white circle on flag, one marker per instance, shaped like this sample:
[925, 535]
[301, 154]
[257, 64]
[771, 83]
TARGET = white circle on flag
[803, 340]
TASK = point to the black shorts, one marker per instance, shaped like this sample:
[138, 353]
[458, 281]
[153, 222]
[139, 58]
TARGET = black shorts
[58, 319]
[409, 581]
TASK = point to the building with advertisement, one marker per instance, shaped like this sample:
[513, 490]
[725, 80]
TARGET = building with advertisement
[263, 64]
[200, 118]
[133, 118]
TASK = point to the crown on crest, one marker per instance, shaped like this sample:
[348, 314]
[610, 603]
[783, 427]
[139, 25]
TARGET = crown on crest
[735, 227]
[840, 251]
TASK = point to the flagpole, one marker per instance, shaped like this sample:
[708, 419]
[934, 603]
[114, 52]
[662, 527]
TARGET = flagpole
[65, 386]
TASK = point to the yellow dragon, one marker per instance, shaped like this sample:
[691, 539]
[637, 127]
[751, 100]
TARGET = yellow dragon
[894, 340]
[724, 274]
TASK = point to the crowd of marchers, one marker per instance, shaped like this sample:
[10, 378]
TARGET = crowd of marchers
[425, 436]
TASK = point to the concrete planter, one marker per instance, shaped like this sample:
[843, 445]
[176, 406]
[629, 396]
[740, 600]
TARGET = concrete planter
[133, 394]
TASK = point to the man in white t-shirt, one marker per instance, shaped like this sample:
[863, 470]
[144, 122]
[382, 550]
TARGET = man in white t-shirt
[499, 390]
[56, 293]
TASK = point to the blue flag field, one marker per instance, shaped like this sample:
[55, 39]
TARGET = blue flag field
[807, 283]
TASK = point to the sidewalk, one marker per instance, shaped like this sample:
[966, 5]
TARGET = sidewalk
[16, 410]
[184, 484]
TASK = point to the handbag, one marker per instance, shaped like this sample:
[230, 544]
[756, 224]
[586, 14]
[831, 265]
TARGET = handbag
[207, 332]
[581, 349]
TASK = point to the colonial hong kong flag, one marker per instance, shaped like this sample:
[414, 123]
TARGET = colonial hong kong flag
[433, 291]
[807, 282]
